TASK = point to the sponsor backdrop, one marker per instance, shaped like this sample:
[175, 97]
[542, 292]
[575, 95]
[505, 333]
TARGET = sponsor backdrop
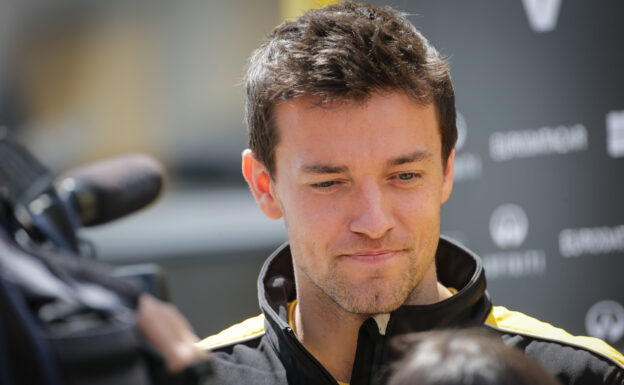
[539, 170]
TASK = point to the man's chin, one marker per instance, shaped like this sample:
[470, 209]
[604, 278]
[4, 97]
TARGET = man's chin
[371, 310]
[370, 305]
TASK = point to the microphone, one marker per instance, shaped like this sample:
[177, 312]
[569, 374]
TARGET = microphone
[36, 207]
[105, 190]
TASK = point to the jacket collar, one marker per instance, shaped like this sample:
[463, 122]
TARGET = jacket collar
[457, 267]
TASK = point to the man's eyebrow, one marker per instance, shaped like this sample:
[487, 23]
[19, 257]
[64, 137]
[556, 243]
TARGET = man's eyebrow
[415, 156]
[319, 168]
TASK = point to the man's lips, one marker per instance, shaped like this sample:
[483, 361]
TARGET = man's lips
[372, 256]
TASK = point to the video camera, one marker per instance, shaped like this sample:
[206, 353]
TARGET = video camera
[65, 319]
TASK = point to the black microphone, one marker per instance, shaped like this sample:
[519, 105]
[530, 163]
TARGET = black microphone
[105, 190]
[37, 209]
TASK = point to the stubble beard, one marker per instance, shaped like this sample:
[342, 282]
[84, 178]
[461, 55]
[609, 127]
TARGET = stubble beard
[388, 294]
[377, 295]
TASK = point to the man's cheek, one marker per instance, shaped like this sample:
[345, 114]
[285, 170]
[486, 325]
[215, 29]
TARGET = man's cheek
[318, 220]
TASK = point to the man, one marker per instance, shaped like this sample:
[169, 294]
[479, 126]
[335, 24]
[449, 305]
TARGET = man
[351, 120]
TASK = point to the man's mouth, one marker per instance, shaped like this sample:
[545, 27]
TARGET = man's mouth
[372, 256]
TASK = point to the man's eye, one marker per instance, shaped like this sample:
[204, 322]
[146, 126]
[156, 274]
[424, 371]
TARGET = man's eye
[322, 185]
[408, 176]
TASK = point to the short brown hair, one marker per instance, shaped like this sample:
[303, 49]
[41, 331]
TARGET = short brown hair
[344, 51]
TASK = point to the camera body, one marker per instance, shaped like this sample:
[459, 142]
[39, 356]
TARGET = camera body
[64, 318]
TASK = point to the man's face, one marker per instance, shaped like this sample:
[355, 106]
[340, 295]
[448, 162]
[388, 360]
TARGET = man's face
[360, 188]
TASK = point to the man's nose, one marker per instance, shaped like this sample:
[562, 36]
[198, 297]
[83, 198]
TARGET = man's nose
[371, 212]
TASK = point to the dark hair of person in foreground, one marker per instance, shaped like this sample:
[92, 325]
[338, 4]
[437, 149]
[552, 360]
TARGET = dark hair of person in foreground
[464, 357]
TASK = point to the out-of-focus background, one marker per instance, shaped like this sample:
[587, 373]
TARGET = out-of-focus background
[539, 166]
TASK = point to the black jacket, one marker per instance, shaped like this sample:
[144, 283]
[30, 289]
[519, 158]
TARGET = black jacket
[265, 350]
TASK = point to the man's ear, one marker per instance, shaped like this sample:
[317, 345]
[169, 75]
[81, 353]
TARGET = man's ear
[449, 173]
[261, 185]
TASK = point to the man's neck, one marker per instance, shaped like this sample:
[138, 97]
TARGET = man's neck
[331, 336]
[330, 333]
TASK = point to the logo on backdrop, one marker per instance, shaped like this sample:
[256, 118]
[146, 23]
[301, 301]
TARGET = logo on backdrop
[467, 165]
[605, 320]
[593, 241]
[615, 133]
[542, 14]
[509, 226]
[541, 141]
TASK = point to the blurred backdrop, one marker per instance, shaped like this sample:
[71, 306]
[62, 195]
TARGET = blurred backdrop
[539, 166]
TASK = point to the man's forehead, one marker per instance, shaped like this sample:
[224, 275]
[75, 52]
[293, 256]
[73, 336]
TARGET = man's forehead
[328, 137]
[309, 102]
